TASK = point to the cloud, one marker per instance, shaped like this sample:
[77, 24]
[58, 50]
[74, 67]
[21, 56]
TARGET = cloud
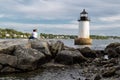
[2, 15]
[52, 28]
[34, 9]
[54, 15]
[56, 9]
[113, 18]
[105, 27]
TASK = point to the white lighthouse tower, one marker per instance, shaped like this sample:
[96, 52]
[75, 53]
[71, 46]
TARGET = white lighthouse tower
[84, 32]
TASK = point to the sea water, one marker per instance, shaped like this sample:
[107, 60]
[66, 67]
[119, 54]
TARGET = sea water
[97, 44]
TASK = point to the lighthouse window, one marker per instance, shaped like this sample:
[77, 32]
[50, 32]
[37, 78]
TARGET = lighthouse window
[85, 15]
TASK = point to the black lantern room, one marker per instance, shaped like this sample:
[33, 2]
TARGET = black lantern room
[83, 16]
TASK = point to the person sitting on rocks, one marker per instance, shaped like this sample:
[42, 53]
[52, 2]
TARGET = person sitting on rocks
[34, 34]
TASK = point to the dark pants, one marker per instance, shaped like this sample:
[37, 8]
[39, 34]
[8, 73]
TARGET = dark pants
[31, 37]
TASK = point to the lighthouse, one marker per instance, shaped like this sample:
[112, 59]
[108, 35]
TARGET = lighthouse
[84, 30]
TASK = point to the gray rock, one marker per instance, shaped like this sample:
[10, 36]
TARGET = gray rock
[42, 46]
[1, 66]
[112, 50]
[118, 72]
[57, 47]
[97, 77]
[111, 53]
[8, 60]
[28, 58]
[87, 52]
[113, 45]
[109, 72]
[8, 69]
[8, 43]
[8, 50]
[69, 57]
[8, 46]
[117, 49]
[100, 53]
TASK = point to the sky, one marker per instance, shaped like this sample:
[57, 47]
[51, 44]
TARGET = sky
[60, 16]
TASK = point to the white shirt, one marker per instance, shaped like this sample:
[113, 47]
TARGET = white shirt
[34, 34]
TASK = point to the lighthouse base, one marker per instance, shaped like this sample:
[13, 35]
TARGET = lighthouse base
[83, 41]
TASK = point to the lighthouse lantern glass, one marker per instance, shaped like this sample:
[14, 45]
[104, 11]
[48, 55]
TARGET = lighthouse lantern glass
[84, 15]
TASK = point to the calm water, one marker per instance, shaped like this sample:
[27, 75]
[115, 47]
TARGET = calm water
[58, 73]
[96, 44]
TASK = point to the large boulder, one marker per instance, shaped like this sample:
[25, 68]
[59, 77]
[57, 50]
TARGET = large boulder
[8, 50]
[69, 57]
[41, 46]
[8, 43]
[100, 53]
[113, 45]
[23, 55]
[111, 53]
[56, 47]
[8, 60]
[87, 52]
[8, 63]
[113, 50]
[28, 58]
[117, 49]
[8, 46]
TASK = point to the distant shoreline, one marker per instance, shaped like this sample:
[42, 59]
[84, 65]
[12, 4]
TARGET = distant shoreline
[14, 34]
[54, 36]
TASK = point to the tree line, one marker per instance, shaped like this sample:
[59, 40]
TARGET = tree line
[11, 33]
[53, 36]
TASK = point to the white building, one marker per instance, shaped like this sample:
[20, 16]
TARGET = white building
[7, 35]
[84, 25]
[84, 29]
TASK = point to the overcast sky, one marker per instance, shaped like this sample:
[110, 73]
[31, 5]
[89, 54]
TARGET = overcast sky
[60, 16]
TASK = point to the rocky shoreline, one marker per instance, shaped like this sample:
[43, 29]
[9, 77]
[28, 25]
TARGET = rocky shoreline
[28, 55]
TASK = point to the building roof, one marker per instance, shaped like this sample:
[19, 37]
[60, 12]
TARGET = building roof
[83, 12]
